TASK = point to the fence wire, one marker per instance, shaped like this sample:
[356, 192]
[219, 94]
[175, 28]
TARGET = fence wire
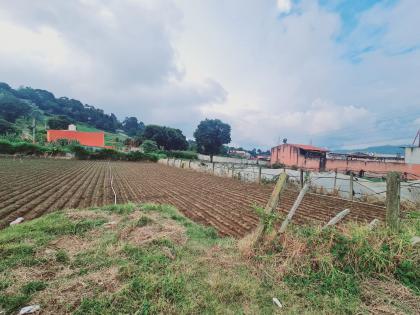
[329, 182]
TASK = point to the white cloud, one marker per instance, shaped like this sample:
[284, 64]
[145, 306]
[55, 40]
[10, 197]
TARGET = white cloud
[116, 55]
[270, 76]
[284, 6]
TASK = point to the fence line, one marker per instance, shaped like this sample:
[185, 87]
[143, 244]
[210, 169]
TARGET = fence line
[321, 182]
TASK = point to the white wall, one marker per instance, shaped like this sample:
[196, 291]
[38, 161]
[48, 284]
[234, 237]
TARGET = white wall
[321, 182]
[223, 159]
[412, 155]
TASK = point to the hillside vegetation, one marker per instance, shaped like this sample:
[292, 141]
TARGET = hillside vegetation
[149, 259]
[27, 113]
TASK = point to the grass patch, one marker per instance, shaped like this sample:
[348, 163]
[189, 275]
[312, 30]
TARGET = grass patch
[32, 287]
[19, 243]
[143, 221]
[309, 270]
[328, 266]
[120, 209]
[62, 257]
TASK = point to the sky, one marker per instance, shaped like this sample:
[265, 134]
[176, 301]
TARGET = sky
[337, 74]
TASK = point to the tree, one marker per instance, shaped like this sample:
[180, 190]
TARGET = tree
[149, 146]
[5, 87]
[59, 123]
[168, 138]
[192, 145]
[210, 136]
[12, 108]
[6, 127]
[132, 126]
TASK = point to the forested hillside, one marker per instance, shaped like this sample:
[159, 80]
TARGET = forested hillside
[27, 113]
[24, 100]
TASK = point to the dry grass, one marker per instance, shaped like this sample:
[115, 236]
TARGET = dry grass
[64, 294]
[151, 259]
[389, 297]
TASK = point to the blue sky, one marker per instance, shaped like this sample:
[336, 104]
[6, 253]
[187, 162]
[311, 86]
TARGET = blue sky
[328, 72]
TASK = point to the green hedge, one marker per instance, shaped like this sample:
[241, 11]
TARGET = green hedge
[188, 155]
[8, 147]
[109, 154]
[82, 153]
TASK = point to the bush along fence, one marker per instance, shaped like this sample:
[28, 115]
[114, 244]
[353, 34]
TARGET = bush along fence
[80, 152]
[26, 148]
[330, 183]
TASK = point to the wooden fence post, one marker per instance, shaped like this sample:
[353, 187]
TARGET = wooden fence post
[294, 208]
[270, 207]
[259, 174]
[337, 218]
[373, 224]
[301, 178]
[351, 187]
[393, 200]
[335, 179]
[233, 170]
[212, 167]
[189, 164]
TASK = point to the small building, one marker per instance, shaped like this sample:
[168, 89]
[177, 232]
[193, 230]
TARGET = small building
[299, 155]
[240, 154]
[89, 139]
[313, 158]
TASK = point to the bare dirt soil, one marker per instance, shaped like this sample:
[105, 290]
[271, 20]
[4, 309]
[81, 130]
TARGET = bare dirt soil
[31, 187]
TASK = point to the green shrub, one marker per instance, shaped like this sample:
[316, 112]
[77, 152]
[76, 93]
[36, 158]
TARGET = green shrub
[22, 147]
[108, 154]
[6, 147]
[80, 152]
[188, 155]
[149, 146]
[29, 148]
[33, 286]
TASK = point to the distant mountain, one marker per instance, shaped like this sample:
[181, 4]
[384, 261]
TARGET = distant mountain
[383, 149]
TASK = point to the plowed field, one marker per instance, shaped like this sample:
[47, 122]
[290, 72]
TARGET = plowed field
[31, 187]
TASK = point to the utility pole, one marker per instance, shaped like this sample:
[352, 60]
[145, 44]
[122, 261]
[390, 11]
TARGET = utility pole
[415, 138]
[33, 129]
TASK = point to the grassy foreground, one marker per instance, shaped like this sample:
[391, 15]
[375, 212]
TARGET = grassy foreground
[148, 259]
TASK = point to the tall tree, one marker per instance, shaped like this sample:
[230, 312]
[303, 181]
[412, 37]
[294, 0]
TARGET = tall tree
[12, 108]
[132, 126]
[6, 127]
[211, 135]
[168, 138]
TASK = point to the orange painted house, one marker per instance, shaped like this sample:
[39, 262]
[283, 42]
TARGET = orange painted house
[90, 139]
[314, 158]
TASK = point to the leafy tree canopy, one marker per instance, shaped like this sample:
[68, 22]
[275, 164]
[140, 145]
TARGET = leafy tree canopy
[74, 109]
[6, 127]
[132, 126]
[210, 136]
[12, 108]
[149, 146]
[166, 137]
[59, 122]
